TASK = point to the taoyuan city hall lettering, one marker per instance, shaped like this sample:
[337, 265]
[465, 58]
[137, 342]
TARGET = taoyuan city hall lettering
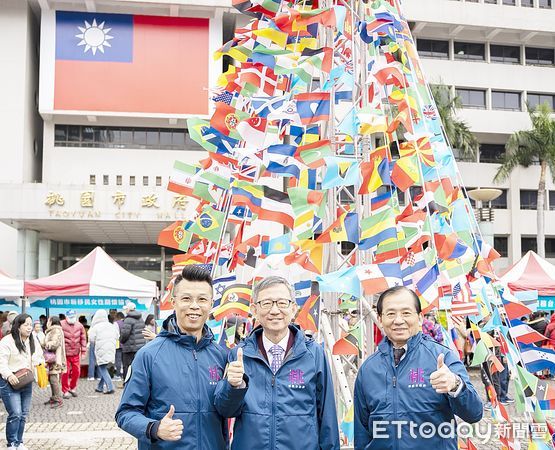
[59, 207]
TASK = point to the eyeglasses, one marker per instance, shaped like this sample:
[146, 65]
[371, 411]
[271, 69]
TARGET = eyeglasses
[282, 303]
[201, 301]
[404, 315]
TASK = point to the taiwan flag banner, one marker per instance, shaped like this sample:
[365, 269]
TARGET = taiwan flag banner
[126, 63]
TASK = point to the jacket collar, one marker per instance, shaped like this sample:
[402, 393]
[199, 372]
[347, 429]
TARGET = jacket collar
[251, 342]
[171, 330]
[386, 347]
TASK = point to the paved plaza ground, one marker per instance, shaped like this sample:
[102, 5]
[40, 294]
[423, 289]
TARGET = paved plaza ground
[87, 422]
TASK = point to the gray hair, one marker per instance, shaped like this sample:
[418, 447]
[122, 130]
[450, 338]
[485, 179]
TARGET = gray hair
[271, 281]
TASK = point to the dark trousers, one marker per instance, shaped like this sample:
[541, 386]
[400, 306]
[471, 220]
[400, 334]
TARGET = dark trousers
[119, 362]
[127, 359]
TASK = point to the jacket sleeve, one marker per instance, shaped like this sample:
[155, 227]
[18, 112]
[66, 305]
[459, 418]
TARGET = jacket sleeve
[83, 340]
[325, 404]
[467, 405]
[126, 329]
[130, 415]
[53, 340]
[362, 434]
[4, 359]
[229, 401]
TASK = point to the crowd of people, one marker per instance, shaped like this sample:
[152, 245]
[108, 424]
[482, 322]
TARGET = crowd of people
[60, 343]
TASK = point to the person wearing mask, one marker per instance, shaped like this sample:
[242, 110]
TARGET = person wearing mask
[149, 331]
[278, 384]
[409, 381]
[168, 401]
[76, 345]
[54, 342]
[131, 337]
[104, 335]
[18, 350]
[431, 328]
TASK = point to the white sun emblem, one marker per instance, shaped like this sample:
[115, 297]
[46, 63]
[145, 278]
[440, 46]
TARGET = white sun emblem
[94, 37]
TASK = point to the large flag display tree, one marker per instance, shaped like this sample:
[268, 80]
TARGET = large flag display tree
[327, 164]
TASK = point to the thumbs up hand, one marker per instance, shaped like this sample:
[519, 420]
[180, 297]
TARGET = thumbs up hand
[170, 429]
[443, 380]
[236, 370]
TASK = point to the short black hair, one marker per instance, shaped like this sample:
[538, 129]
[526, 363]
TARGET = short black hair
[193, 273]
[395, 290]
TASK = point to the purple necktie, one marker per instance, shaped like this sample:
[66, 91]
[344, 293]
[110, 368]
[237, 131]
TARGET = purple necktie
[277, 360]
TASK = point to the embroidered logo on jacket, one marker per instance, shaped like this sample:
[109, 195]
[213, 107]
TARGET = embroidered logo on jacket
[416, 378]
[214, 375]
[296, 380]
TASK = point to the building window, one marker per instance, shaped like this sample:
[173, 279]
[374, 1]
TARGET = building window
[105, 180]
[549, 247]
[491, 2]
[535, 99]
[472, 98]
[501, 201]
[132, 180]
[544, 4]
[540, 56]
[528, 199]
[470, 50]
[552, 200]
[118, 180]
[429, 48]
[492, 153]
[509, 101]
[145, 180]
[158, 181]
[527, 244]
[123, 137]
[92, 180]
[509, 2]
[506, 54]
[501, 244]
[527, 3]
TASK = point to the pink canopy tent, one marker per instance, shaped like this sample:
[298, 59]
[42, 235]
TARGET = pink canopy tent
[96, 281]
[531, 273]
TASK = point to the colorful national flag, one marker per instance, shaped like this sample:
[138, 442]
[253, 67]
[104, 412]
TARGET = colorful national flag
[524, 333]
[340, 172]
[350, 343]
[183, 178]
[313, 107]
[405, 172]
[344, 281]
[343, 229]
[374, 174]
[175, 236]
[377, 229]
[236, 301]
[209, 224]
[537, 359]
[308, 315]
[376, 278]
[113, 56]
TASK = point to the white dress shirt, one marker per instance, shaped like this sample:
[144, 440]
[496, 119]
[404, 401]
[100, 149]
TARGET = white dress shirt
[269, 344]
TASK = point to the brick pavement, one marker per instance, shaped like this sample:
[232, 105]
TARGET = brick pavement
[87, 422]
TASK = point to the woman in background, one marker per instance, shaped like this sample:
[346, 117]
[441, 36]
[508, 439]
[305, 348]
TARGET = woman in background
[18, 350]
[54, 342]
[104, 335]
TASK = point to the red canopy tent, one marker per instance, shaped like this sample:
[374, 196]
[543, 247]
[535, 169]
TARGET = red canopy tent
[531, 273]
[96, 281]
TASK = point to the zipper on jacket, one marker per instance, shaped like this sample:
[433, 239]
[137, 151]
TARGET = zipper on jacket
[395, 391]
[273, 431]
[199, 430]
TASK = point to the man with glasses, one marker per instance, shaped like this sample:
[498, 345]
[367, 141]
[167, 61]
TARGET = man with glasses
[168, 401]
[408, 392]
[278, 383]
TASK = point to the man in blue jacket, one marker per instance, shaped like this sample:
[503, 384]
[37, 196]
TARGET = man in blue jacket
[278, 383]
[168, 401]
[408, 392]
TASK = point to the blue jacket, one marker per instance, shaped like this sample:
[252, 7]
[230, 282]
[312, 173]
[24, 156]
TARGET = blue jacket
[404, 393]
[293, 410]
[174, 369]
